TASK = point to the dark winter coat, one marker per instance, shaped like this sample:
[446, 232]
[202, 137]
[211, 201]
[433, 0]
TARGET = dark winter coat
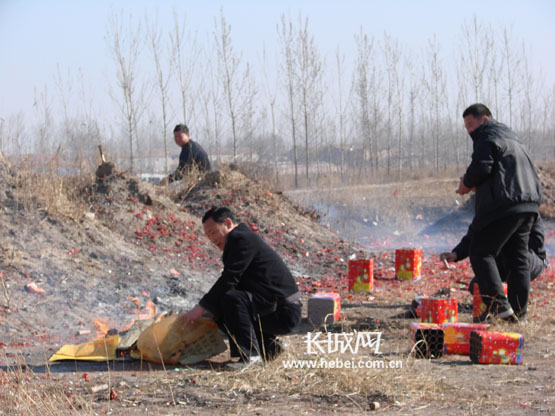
[191, 154]
[503, 173]
[252, 266]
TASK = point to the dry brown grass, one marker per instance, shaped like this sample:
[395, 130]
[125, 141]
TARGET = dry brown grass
[23, 392]
[274, 378]
[43, 189]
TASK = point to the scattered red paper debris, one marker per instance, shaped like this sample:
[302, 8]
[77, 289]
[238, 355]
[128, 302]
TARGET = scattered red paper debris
[113, 394]
[33, 288]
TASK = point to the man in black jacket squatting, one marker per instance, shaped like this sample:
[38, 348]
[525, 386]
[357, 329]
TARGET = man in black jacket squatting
[192, 155]
[255, 298]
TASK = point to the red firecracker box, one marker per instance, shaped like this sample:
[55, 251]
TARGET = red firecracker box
[408, 262]
[324, 307]
[427, 339]
[361, 275]
[479, 307]
[496, 347]
[456, 337]
[438, 311]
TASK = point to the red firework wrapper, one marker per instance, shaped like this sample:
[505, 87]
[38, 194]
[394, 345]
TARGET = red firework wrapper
[456, 337]
[496, 347]
[324, 307]
[479, 307]
[427, 339]
[408, 262]
[438, 311]
[361, 275]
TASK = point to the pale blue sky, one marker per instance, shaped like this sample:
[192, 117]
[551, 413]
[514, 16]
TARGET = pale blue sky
[36, 35]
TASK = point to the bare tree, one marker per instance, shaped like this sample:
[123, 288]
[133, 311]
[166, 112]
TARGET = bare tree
[477, 45]
[249, 112]
[233, 81]
[392, 56]
[309, 69]
[13, 133]
[414, 94]
[436, 86]
[215, 97]
[287, 38]
[65, 91]
[2, 122]
[126, 45]
[43, 109]
[495, 73]
[365, 86]
[512, 63]
[74, 140]
[548, 118]
[552, 101]
[186, 53]
[162, 82]
[530, 90]
[341, 99]
[270, 87]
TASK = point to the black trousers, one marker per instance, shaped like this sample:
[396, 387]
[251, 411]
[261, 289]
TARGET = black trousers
[536, 268]
[509, 236]
[251, 334]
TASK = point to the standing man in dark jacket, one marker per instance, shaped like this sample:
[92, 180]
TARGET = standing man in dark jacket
[508, 194]
[192, 154]
[255, 298]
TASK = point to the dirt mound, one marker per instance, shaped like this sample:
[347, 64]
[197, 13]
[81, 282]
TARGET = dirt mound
[311, 251]
[136, 240]
[131, 242]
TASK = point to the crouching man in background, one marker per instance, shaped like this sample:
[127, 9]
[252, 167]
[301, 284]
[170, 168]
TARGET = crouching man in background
[537, 256]
[255, 298]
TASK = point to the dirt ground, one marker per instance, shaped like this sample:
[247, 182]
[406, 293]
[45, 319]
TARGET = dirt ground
[131, 239]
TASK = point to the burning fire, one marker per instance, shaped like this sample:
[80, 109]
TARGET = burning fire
[102, 326]
[105, 327]
[149, 310]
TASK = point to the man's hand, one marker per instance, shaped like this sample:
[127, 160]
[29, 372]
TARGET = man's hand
[450, 257]
[193, 315]
[463, 189]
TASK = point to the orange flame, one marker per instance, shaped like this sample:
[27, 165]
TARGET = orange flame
[103, 325]
[149, 310]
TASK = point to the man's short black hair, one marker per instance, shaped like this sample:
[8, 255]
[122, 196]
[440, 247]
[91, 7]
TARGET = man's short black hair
[218, 215]
[181, 127]
[477, 111]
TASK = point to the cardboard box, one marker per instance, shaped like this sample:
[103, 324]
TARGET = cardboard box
[488, 347]
[408, 262]
[324, 307]
[427, 340]
[456, 336]
[438, 311]
[479, 307]
[361, 275]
